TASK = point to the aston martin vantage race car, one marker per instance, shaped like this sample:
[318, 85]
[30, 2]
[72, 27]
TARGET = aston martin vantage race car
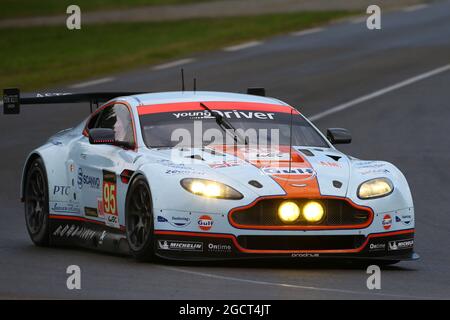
[210, 175]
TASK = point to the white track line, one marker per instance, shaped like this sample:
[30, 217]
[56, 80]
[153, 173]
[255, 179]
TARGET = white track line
[91, 83]
[415, 8]
[243, 46]
[378, 93]
[305, 32]
[173, 64]
[287, 285]
[358, 20]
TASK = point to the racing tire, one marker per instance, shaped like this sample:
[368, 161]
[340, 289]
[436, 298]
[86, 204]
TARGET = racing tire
[139, 220]
[36, 203]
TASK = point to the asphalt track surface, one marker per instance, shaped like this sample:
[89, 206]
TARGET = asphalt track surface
[406, 125]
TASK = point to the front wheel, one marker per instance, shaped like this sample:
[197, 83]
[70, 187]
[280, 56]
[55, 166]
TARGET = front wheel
[139, 220]
[36, 203]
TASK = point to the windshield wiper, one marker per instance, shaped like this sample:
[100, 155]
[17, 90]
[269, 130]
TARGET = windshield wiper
[225, 125]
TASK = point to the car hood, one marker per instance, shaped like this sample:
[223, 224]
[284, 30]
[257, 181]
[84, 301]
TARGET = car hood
[306, 172]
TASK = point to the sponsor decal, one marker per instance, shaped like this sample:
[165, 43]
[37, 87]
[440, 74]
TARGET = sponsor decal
[374, 171]
[220, 165]
[110, 212]
[173, 165]
[90, 181]
[387, 222]
[100, 207]
[404, 219]
[172, 171]
[205, 222]
[330, 164]
[401, 244]
[377, 247]
[305, 255]
[175, 221]
[180, 245]
[369, 164]
[61, 190]
[292, 171]
[90, 212]
[232, 114]
[102, 237]
[264, 154]
[215, 247]
[74, 231]
[177, 168]
[65, 207]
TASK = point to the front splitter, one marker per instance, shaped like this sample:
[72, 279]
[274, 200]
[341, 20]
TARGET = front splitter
[176, 245]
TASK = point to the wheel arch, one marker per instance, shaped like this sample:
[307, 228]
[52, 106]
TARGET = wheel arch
[30, 159]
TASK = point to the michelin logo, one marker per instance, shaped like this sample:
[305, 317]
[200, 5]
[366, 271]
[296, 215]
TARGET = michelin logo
[180, 245]
[401, 244]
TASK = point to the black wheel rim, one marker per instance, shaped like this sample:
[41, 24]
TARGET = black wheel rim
[139, 220]
[35, 201]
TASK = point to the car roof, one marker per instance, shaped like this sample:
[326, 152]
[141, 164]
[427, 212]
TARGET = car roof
[202, 96]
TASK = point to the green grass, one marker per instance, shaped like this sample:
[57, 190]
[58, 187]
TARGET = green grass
[26, 8]
[32, 58]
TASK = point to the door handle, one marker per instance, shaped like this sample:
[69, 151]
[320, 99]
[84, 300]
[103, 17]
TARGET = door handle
[83, 156]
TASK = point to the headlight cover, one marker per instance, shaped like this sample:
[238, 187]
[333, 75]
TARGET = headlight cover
[210, 189]
[375, 188]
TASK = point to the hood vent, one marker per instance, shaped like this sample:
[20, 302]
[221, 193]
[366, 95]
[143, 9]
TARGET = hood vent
[306, 152]
[255, 184]
[195, 156]
[335, 158]
[337, 184]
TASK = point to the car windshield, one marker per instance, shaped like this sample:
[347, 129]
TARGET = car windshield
[196, 126]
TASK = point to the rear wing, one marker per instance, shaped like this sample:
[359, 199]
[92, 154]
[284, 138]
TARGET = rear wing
[12, 99]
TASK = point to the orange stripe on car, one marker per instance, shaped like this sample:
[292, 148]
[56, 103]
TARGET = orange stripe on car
[214, 105]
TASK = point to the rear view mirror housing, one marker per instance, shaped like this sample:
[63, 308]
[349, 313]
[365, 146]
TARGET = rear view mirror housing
[102, 136]
[339, 136]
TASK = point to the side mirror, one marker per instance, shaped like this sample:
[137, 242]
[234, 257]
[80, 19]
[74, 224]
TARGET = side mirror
[101, 136]
[339, 135]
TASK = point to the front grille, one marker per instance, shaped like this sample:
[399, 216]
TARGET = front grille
[346, 242]
[337, 213]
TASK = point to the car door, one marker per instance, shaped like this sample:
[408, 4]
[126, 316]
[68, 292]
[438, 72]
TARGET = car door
[99, 165]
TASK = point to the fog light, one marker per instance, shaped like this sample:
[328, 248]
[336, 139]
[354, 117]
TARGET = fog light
[313, 211]
[288, 211]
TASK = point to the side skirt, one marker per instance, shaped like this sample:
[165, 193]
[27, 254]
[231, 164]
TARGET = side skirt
[91, 234]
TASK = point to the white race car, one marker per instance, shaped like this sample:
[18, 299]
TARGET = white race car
[131, 179]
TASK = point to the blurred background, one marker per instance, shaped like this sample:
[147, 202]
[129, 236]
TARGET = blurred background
[38, 51]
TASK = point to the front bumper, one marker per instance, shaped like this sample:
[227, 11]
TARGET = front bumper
[179, 245]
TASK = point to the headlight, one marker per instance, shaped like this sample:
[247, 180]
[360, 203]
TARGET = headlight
[288, 211]
[313, 211]
[375, 188]
[210, 189]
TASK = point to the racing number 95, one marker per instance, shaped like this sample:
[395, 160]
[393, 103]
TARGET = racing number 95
[109, 197]
[109, 193]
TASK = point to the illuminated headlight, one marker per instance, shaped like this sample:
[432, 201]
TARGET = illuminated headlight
[210, 189]
[375, 188]
[288, 211]
[313, 211]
